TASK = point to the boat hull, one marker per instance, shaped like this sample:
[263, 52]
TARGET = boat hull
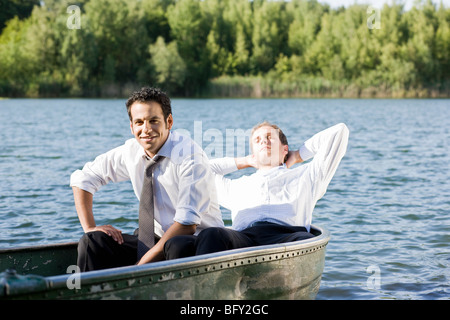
[282, 271]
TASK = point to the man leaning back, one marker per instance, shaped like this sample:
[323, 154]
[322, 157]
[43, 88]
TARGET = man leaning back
[274, 204]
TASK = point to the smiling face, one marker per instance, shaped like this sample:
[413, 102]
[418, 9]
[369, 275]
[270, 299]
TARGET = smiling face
[148, 125]
[267, 147]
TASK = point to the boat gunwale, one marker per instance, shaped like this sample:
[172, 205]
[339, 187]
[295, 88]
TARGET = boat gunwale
[39, 247]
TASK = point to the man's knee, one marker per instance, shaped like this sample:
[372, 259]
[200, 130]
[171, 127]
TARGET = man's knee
[91, 250]
[93, 235]
[297, 236]
[215, 239]
[92, 240]
[179, 247]
[212, 234]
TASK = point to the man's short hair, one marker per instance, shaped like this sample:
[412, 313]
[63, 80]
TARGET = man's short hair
[148, 94]
[281, 135]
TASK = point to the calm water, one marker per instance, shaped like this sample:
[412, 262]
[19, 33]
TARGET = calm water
[387, 208]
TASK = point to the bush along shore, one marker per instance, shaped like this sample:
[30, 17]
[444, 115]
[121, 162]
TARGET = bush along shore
[224, 48]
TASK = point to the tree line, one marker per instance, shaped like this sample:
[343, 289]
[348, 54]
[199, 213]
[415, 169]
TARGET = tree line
[198, 48]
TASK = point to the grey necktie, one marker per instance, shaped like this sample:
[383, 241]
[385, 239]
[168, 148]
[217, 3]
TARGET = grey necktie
[146, 236]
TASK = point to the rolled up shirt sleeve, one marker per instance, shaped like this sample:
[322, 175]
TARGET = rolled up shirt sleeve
[107, 167]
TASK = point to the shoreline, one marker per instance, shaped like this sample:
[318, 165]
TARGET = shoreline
[411, 96]
[257, 88]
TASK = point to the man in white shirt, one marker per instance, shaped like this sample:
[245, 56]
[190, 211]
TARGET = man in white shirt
[275, 204]
[185, 199]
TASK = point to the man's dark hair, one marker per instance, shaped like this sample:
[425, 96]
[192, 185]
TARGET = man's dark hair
[148, 94]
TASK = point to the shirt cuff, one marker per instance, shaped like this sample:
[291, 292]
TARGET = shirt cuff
[187, 216]
[77, 180]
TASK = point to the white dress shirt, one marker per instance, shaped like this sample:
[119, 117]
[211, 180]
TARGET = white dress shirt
[282, 195]
[184, 189]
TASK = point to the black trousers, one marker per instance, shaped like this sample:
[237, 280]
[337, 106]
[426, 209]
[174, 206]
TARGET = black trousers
[219, 239]
[97, 250]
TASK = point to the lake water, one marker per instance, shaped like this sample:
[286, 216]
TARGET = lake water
[387, 207]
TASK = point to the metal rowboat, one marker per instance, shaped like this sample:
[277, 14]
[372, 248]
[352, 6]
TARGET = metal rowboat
[281, 271]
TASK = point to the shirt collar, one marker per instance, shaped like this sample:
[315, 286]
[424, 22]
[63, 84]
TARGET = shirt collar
[167, 147]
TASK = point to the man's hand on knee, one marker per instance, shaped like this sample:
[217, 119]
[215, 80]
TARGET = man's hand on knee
[116, 234]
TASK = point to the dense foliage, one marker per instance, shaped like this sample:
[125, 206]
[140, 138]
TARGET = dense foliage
[223, 48]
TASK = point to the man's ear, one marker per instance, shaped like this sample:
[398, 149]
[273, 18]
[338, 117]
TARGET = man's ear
[169, 122]
[285, 149]
[285, 152]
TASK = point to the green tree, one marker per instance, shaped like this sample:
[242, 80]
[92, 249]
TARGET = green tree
[15, 8]
[121, 36]
[220, 38]
[241, 52]
[419, 47]
[305, 17]
[155, 18]
[239, 15]
[442, 44]
[16, 64]
[320, 52]
[269, 34]
[190, 30]
[169, 66]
